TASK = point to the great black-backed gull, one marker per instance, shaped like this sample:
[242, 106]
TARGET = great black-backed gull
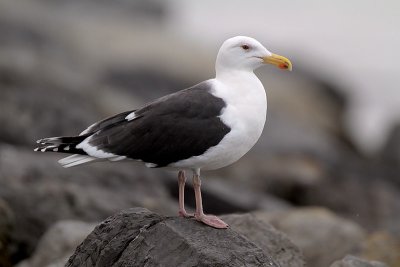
[204, 127]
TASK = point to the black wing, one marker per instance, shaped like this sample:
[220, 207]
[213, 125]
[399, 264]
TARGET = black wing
[175, 127]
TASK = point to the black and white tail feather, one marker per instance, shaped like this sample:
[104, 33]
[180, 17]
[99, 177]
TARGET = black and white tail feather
[68, 144]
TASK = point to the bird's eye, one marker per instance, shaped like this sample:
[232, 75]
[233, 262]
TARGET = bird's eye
[245, 47]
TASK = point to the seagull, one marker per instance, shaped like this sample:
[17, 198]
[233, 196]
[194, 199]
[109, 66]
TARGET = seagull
[205, 127]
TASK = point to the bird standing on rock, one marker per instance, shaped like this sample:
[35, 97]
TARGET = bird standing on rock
[205, 127]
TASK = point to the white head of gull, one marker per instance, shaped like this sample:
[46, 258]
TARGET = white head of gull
[246, 54]
[205, 127]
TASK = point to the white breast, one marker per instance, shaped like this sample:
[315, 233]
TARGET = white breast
[245, 114]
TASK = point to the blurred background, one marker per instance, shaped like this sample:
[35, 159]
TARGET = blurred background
[329, 157]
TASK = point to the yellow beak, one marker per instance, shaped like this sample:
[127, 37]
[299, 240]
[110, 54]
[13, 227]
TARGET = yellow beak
[279, 61]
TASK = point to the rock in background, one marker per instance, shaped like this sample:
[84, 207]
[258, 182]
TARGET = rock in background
[40, 193]
[351, 261]
[322, 236]
[6, 223]
[58, 244]
[66, 64]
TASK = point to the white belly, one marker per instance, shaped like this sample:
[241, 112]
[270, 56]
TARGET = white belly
[245, 114]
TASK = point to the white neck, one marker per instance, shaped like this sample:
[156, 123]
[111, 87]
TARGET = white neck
[243, 83]
[221, 72]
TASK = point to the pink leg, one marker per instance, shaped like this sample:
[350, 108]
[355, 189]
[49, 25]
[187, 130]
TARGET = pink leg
[210, 220]
[181, 184]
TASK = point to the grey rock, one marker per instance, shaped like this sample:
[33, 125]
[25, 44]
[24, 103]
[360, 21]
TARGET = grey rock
[382, 246]
[234, 197]
[40, 192]
[138, 237]
[391, 150]
[304, 115]
[6, 224]
[358, 192]
[281, 175]
[270, 240]
[50, 82]
[44, 112]
[321, 235]
[351, 261]
[58, 244]
[363, 192]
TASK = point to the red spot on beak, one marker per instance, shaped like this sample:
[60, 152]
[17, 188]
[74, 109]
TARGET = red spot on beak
[283, 66]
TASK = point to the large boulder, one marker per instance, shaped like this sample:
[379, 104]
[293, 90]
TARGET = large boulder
[138, 237]
[322, 236]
